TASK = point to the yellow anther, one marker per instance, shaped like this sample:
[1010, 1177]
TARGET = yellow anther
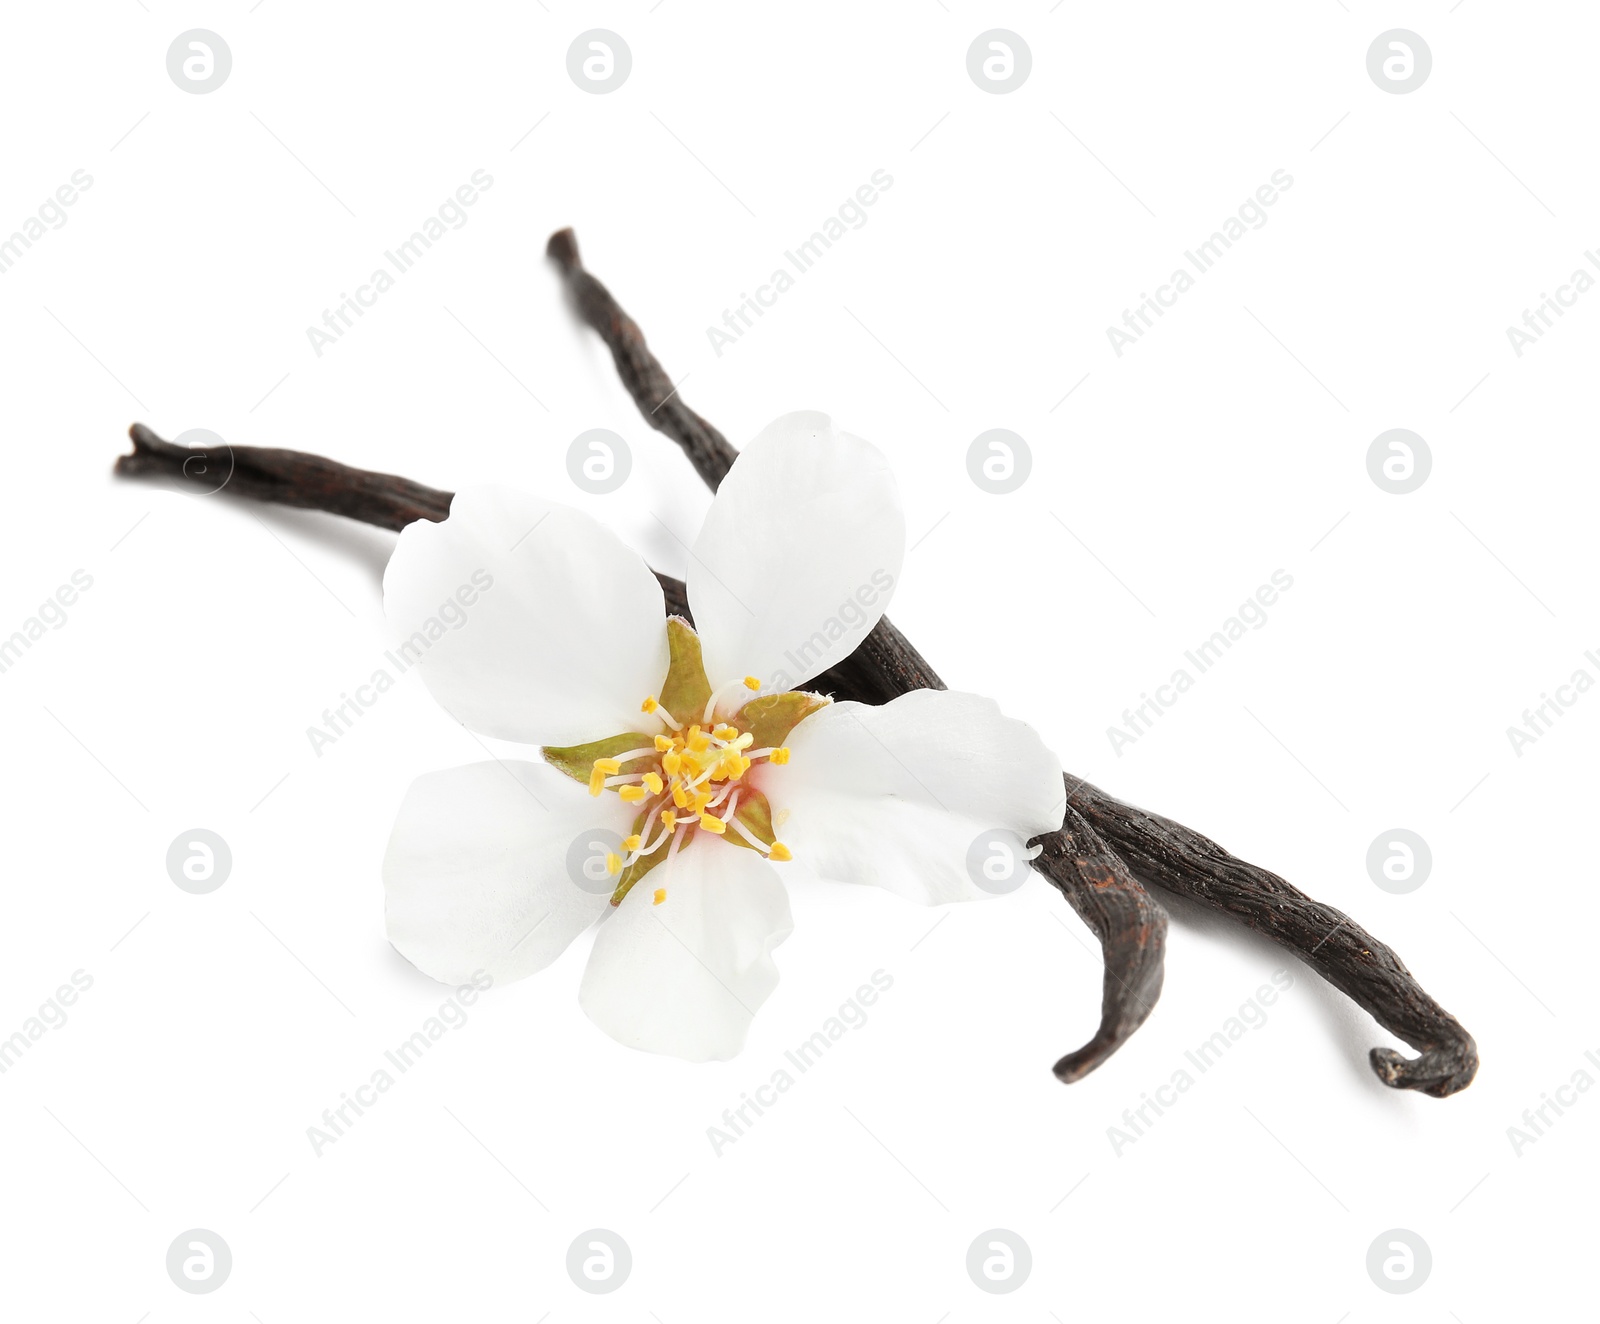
[659, 897]
[669, 818]
[681, 797]
[653, 783]
[779, 852]
[613, 862]
[698, 742]
[597, 780]
[779, 755]
[631, 794]
[649, 705]
[712, 824]
[631, 843]
[671, 762]
[701, 800]
[663, 744]
[751, 683]
[726, 732]
[610, 767]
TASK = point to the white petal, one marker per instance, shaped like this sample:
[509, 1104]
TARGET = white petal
[798, 556]
[477, 874]
[528, 620]
[685, 977]
[897, 795]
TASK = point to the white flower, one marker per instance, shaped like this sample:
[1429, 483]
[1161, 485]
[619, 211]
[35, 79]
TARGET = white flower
[698, 750]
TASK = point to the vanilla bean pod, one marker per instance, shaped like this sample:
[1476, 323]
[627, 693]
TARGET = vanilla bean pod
[288, 478]
[307, 482]
[1367, 971]
[1092, 874]
[641, 372]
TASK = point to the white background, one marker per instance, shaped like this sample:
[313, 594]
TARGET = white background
[1229, 443]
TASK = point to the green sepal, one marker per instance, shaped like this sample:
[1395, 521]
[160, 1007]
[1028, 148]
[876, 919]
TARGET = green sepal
[686, 691]
[771, 717]
[577, 761]
[640, 867]
[756, 814]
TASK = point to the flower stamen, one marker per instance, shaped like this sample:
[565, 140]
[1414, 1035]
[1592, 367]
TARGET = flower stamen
[749, 836]
[653, 706]
[732, 687]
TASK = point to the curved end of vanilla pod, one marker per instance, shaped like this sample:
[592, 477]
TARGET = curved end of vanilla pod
[1128, 921]
[1125, 1009]
[1075, 1066]
[1439, 1072]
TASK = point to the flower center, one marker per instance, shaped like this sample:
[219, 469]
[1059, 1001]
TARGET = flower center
[690, 770]
[692, 777]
